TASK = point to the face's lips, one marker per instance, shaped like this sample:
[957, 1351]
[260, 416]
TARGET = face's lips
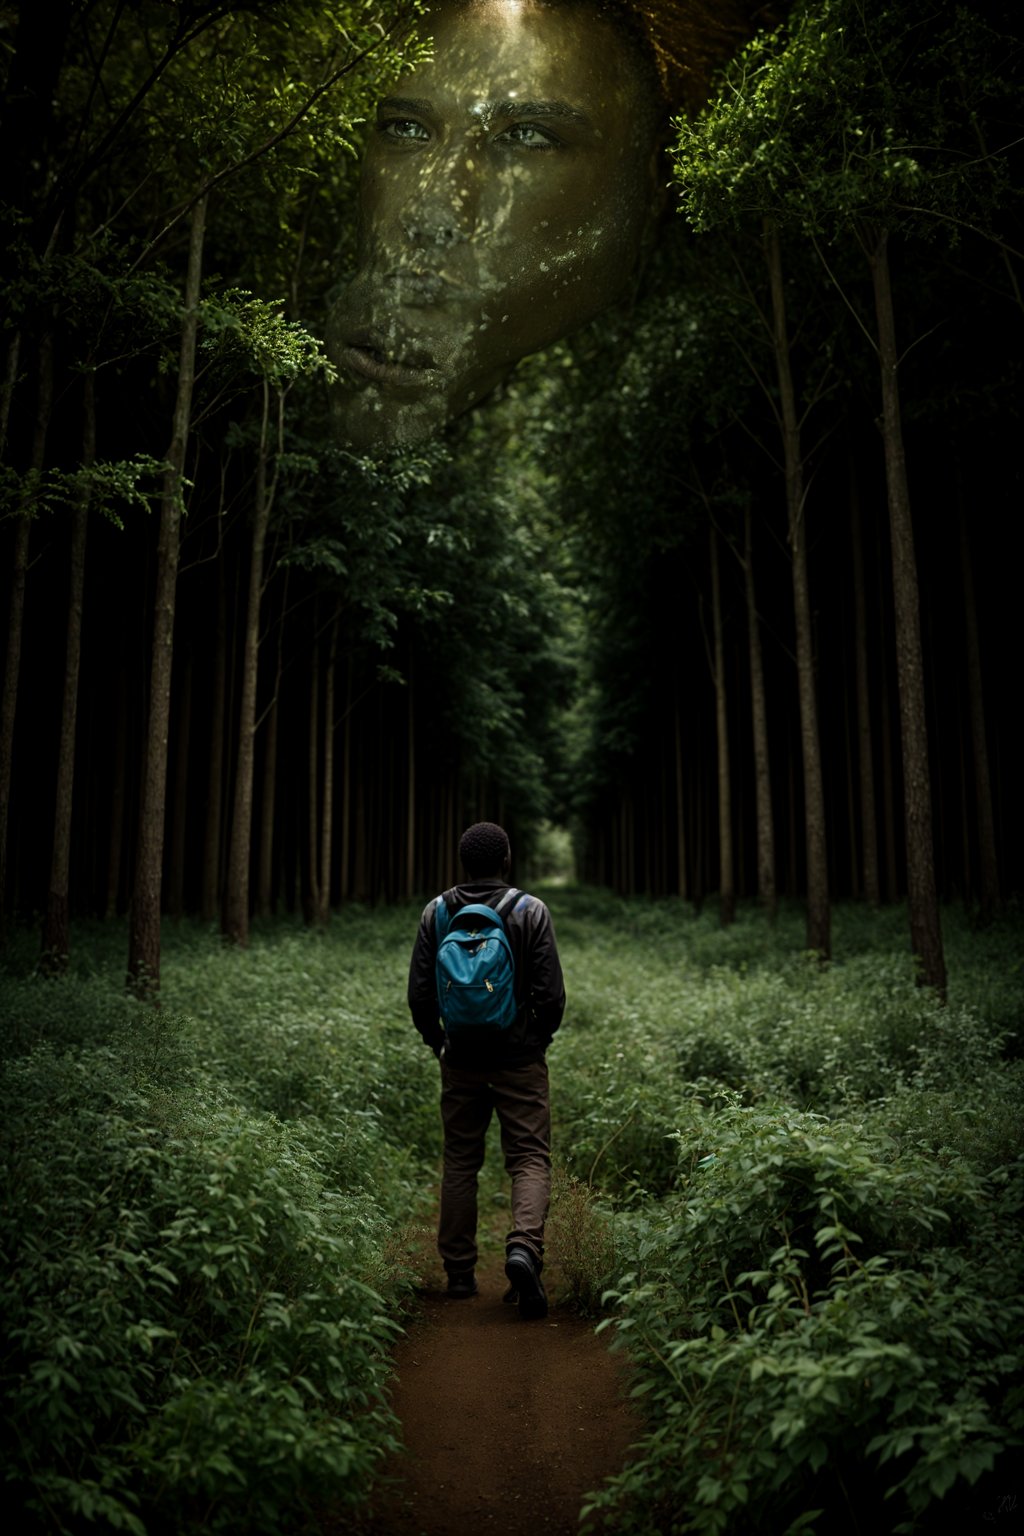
[415, 372]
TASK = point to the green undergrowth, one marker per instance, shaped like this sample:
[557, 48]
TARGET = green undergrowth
[791, 1191]
[803, 1186]
[203, 1227]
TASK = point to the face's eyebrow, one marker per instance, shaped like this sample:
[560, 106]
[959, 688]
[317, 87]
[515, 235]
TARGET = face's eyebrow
[517, 109]
[509, 109]
[418, 104]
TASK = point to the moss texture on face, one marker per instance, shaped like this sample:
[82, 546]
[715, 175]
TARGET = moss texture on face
[506, 190]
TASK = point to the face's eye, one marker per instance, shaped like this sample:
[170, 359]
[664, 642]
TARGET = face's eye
[528, 136]
[405, 129]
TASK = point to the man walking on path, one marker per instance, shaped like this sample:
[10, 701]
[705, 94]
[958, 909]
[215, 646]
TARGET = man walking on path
[487, 1067]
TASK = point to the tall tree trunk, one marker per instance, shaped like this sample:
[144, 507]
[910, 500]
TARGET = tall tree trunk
[179, 817]
[922, 896]
[327, 815]
[346, 790]
[236, 895]
[892, 884]
[682, 884]
[726, 886]
[312, 903]
[988, 868]
[939, 798]
[766, 886]
[144, 937]
[665, 811]
[965, 824]
[268, 801]
[851, 795]
[699, 838]
[624, 884]
[359, 829]
[818, 910]
[268, 795]
[16, 611]
[865, 747]
[209, 905]
[57, 924]
[793, 848]
[117, 796]
[7, 385]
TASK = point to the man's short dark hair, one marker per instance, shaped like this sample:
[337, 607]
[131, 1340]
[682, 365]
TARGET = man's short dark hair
[483, 849]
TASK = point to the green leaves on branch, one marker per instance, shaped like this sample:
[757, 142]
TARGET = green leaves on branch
[813, 1310]
[253, 334]
[281, 83]
[199, 1228]
[107, 486]
[817, 1180]
[852, 112]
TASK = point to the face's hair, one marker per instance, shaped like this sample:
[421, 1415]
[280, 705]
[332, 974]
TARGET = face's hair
[680, 44]
[483, 849]
[628, 22]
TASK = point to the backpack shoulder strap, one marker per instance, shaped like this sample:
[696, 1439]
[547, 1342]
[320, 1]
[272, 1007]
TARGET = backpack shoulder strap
[441, 915]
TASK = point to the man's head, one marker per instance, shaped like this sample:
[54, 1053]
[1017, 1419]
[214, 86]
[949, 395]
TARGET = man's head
[484, 850]
[507, 192]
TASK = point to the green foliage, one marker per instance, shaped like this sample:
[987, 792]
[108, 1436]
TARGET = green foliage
[796, 1190]
[849, 114]
[744, 1010]
[254, 334]
[108, 486]
[581, 1240]
[360, 527]
[345, 1062]
[813, 1177]
[822, 1321]
[154, 1234]
[509, 675]
[200, 1229]
[401, 542]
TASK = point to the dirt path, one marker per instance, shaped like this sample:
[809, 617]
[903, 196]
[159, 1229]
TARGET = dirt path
[507, 1424]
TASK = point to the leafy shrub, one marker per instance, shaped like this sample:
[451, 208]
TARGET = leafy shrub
[581, 1240]
[150, 1238]
[655, 1012]
[823, 1324]
[311, 1025]
[202, 1237]
[67, 1011]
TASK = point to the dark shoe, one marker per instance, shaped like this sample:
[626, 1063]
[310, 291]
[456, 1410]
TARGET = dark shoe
[462, 1285]
[523, 1274]
[511, 1296]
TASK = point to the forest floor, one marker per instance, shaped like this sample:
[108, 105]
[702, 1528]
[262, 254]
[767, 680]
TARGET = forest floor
[506, 1424]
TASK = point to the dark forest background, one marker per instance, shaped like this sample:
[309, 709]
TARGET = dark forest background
[651, 594]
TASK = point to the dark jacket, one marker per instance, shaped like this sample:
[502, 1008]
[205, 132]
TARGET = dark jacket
[540, 991]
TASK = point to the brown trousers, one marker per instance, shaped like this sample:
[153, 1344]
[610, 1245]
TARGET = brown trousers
[468, 1098]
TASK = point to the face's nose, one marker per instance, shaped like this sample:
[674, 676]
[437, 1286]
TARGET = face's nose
[442, 203]
[431, 226]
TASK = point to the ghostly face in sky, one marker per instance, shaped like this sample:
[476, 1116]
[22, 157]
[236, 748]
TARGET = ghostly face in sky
[505, 193]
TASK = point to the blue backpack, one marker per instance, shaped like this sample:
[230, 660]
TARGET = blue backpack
[475, 971]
